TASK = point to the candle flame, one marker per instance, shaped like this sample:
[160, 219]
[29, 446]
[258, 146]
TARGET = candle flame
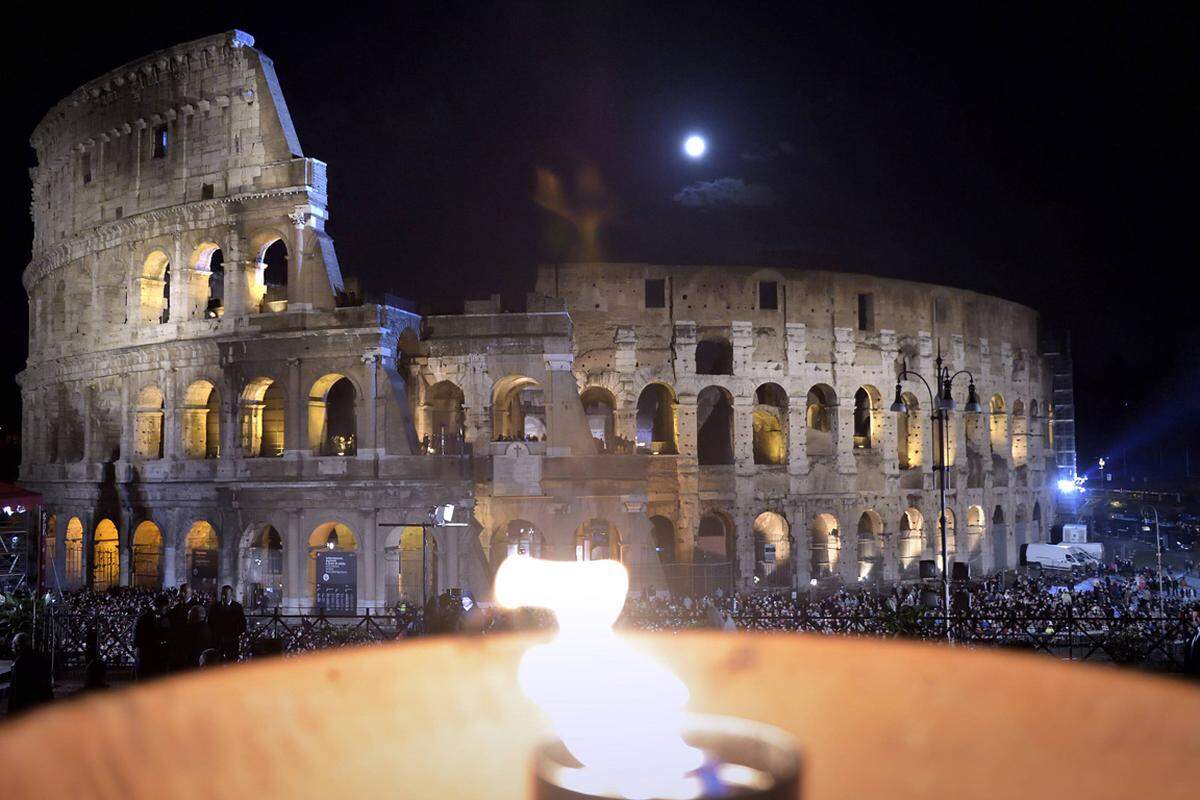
[617, 710]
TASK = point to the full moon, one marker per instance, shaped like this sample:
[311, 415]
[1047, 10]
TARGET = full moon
[694, 146]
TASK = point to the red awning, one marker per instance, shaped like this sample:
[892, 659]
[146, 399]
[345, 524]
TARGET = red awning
[13, 495]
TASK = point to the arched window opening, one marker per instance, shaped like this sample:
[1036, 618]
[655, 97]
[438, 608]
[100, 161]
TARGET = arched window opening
[714, 426]
[148, 424]
[864, 426]
[411, 559]
[106, 557]
[714, 539]
[770, 424]
[154, 289]
[912, 542]
[596, 540]
[998, 425]
[332, 417]
[73, 551]
[445, 428]
[870, 546]
[518, 410]
[202, 421]
[772, 550]
[1037, 523]
[275, 276]
[264, 571]
[207, 282]
[1020, 434]
[973, 542]
[826, 546]
[203, 552]
[714, 357]
[662, 533]
[147, 556]
[908, 433]
[262, 419]
[820, 420]
[341, 592]
[519, 537]
[599, 408]
[656, 424]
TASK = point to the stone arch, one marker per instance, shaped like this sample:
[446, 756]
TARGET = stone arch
[333, 416]
[201, 420]
[147, 556]
[714, 426]
[820, 420]
[597, 539]
[274, 261]
[518, 537]
[973, 538]
[263, 572]
[870, 546]
[262, 417]
[911, 542]
[715, 539]
[106, 556]
[206, 286]
[773, 556]
[909, 445]
[770, 423]
[202, 556]
[599, 407]
[714, 356]
[411, 565]
[73, 551]
[148, 424]
[328, 536]
[998, 425]
[154, 289]
[445, 419]
[662, 536]
[826, 546]
[657, 426]
[868, 404]
[518, 410]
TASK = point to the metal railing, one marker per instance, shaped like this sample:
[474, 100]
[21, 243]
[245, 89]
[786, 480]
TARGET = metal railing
[1150, 641]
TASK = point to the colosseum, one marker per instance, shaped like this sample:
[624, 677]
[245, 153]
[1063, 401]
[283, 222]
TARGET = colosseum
[207, 400]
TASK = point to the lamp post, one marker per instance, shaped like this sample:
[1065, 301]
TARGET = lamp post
[941, 406]
[1158, 546]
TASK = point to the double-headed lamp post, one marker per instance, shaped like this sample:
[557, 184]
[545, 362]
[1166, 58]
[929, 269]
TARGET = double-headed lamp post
[942, 404]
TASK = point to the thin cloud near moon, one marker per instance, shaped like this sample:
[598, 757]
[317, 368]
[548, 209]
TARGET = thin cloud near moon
[725, 192]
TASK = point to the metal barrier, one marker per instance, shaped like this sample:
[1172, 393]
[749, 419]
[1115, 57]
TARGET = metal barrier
[1156, 642]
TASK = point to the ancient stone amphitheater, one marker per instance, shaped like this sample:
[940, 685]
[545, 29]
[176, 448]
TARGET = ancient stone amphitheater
[207, 401]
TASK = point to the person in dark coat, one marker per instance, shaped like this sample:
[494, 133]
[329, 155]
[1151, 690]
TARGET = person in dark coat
[199, 636]
[180, 647]
[227, 619]
[29, 682]
[1191, 656]
[152, 641]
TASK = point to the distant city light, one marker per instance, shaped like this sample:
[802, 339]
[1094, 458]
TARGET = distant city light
[695, 146]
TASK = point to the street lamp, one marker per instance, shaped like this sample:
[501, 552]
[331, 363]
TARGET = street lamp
[1158, 545]
[942, 405]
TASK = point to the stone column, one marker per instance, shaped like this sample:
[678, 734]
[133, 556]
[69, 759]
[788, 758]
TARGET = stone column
[180, 273]
[125, 546]
[843, 441]
[372, 555]
[295, 434]
[742, 340]
[797, 435]
[295, 551]
[370, 437]
[172, 445]
[684, 348]
[797, 347]
[685, 421]
[743, 434]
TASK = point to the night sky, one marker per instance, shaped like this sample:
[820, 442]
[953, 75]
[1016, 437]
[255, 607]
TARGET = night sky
[1042, 155]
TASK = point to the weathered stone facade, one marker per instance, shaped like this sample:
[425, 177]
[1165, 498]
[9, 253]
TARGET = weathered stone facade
[189, 416]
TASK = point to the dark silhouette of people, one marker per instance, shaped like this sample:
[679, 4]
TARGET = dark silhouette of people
[181, 656]
[198, 637]
[29, 683]
[227, 619]
[152, 640]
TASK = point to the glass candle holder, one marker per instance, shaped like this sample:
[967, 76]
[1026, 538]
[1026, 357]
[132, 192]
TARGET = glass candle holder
[742, 759]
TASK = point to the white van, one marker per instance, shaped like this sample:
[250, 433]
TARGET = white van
[1055, 556]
